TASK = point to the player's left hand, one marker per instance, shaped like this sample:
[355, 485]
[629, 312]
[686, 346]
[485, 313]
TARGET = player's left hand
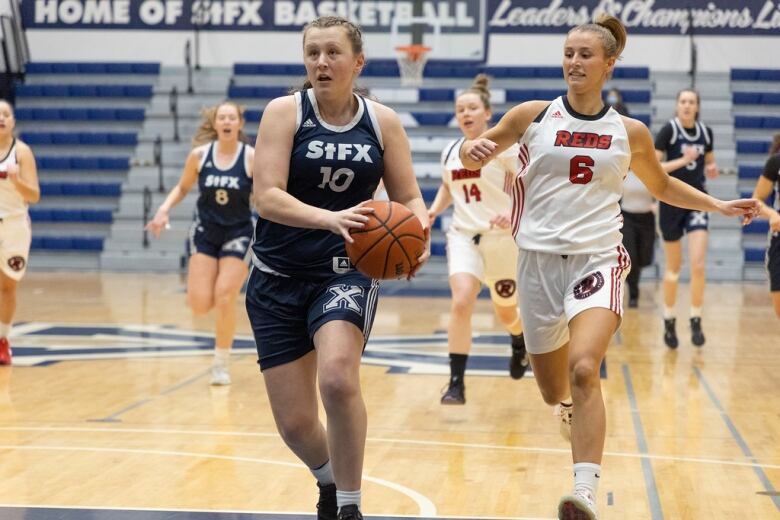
[711, 171]
[748, 209]
[426, 254]
[500, 221]
[774, 222]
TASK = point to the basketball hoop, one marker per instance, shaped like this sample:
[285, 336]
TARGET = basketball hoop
[411, 63]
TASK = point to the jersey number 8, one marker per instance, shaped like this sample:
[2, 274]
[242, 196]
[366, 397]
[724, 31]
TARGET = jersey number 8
[221, 196]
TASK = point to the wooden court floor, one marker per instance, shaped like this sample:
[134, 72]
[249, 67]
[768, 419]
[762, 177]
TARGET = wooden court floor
[108, 414]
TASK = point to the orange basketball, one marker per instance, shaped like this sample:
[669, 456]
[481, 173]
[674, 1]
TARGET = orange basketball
[389, 244]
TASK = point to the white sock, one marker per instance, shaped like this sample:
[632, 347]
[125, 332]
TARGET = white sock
[668, 312]
[567, 401]
[5, 330]
[221, 356]
[586, 476]
[345, 498]
[323, 474]
[695, 312]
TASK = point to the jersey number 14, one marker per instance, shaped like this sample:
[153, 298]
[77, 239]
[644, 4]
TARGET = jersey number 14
[472, 193]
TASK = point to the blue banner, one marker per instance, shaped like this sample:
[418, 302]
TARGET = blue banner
[662, 17]
[458, 16]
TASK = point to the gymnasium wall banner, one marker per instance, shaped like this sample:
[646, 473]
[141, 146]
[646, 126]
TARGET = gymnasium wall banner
[661, 17]
[454, 16]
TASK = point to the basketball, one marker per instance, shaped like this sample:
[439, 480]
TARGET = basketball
[389, 244]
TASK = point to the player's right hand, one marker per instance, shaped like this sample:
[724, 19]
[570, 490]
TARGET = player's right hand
[431, 217]
[774, 222]
[479, 150]
[690, 153]
[158, 223]
[340, 222]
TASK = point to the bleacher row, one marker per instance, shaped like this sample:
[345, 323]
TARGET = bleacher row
[751, 89]
[756, 107]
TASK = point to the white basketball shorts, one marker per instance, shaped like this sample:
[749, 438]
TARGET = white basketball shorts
[491, 257]
[15, 237]
[555, 288]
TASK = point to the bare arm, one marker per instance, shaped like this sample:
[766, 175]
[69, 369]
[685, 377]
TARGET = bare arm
[272, 171]
[478, 152]
[440, 203]
[24, 174]
[689, 155]
[670, 190]
[399, 179]
[761, 192]
[710, 166]
[188, 178]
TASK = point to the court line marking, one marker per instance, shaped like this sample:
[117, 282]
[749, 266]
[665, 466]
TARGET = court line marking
[738, 437]
[275, 435]
[275, 513]
[425, 505]
[656, 510]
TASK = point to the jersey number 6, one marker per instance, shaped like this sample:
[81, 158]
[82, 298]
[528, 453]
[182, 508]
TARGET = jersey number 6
[579, 169]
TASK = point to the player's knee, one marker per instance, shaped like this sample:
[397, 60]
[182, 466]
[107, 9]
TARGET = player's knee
[507, 314]
[671, 276]
[338, 388]
[223, 297]
[698, 268]
[584, 372]
[553, 396]
[199, 304]
[462, 305]
[295, 429]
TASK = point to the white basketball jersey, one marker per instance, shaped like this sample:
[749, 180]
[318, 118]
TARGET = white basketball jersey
[572, 167]
[479, 195]
[11, 201]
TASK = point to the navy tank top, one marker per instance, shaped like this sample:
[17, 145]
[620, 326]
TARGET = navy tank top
[331, 167]
[673, 137]
[224, 194]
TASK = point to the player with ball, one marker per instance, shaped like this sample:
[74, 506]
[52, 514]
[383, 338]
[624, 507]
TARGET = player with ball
[320, 155]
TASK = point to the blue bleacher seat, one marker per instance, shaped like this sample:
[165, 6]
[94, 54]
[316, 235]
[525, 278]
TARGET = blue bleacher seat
[51, 188]
[85, 163]
[46, 114]
[108, 189]
[636, 96]
[24, 114]
[771, 122]
[53, 163]
[744, 75]
[83, 90]
[139, 91]
[65, 138]
[64, 68]
[269, 92]
[57, 243]
[748, 121]
[757, 227]
[746, 98]
[74, 114]
[438, 249]
[130, 114]
[114, 163]
[55, 91]
[101, 114]
[40, 214]
[119, 68]
[437, 94]
[761, 147]
[241, 92]
[146, 68]
[768, 75]
[29, 91]
[548, 72]
[38, 68]
[122, 138]
[253, 116]
[92, 68]
[433, 118]
[36, 137]
[518, 95]
[749, 172]
[631, 73]
[94, 138]
[87, 243]
[111, 90]
[755, 254]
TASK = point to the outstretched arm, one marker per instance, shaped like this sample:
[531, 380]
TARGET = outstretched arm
[673, 191]
[476, 153]
[188, 178]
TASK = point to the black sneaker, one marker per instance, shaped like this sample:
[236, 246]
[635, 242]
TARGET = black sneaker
[697, 336]
[327, 509]
[633, 302]
[350, 512]
[518, 363]
[455, 393]
[670, 335]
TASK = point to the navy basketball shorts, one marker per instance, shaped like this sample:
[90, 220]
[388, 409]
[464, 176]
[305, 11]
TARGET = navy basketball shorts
[674, 221]
[773, 262]
[286, 312]
[221, 241]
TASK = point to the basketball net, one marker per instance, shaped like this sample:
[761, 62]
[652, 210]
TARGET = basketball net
[411, 63]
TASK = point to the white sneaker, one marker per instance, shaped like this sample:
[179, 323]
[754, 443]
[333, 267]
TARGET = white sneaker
[580, 505]
[220, 375]
[563, 413]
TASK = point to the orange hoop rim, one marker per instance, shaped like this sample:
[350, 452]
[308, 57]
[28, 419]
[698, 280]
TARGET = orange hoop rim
[414, 51]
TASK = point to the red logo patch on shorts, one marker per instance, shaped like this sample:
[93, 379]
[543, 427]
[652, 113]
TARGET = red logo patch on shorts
[589, 286]
[16, 263]
[505, 288]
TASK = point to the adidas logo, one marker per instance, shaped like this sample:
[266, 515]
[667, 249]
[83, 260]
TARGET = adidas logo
[209, 164]
[557, 115]
[309, 124]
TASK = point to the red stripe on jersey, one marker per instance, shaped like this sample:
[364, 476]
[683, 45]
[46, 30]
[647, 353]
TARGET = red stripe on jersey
[624, 262]
[518, 190]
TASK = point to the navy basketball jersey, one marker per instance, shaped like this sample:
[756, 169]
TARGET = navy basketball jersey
[224, 194]
[673, 138]
[331, 167]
